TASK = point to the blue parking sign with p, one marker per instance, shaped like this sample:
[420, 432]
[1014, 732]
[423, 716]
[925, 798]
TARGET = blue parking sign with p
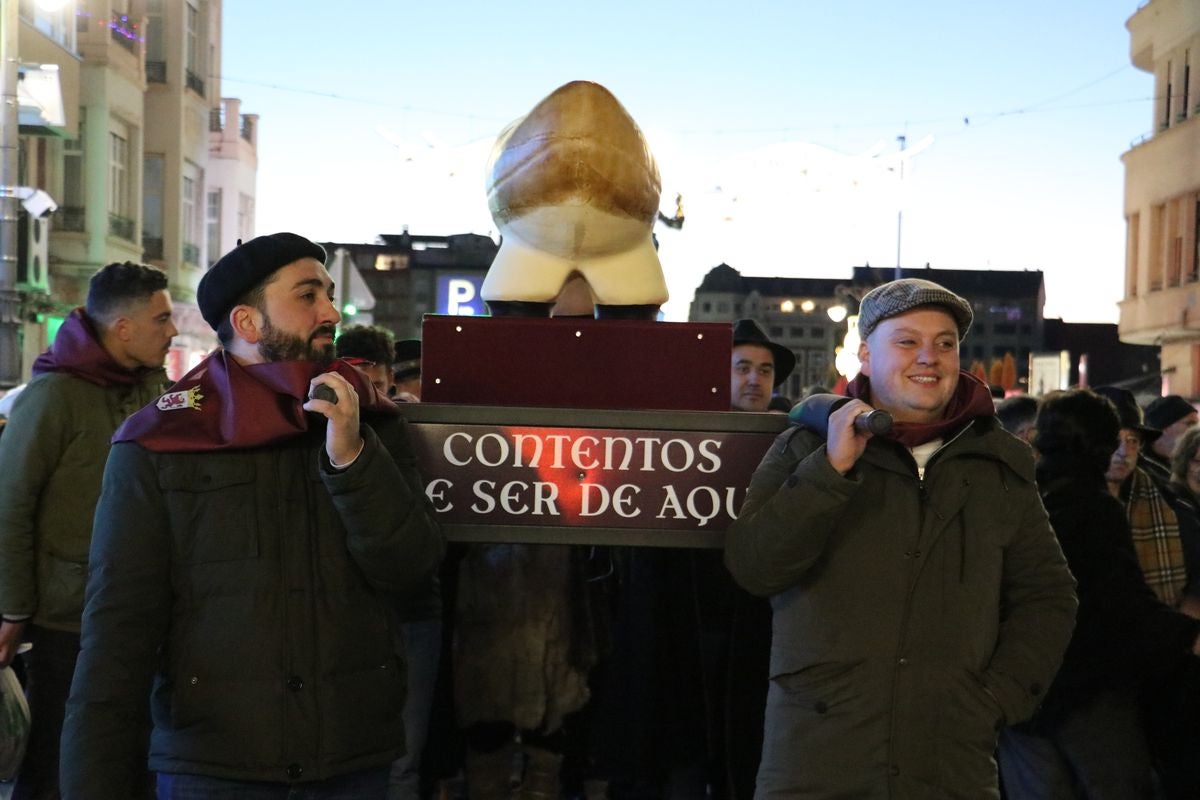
[459, 296]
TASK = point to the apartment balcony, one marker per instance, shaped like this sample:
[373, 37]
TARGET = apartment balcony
[70, 218]
[121, 227]
[123, 33]
[191, 254]
[195, 83]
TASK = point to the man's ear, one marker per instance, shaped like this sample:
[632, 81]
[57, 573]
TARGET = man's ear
[246, 322]
[864, 358]
[122, 329]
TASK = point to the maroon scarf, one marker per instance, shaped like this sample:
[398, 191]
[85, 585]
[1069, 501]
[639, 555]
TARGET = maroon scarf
[971, 400]
[77, 351]
[224, 405]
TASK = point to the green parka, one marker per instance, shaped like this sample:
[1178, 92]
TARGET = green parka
[250, 597]
[912, 618]
[52, 459]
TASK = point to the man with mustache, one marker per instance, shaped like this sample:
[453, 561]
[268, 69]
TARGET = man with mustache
[105, 363]
[921, 601]
[252, 542]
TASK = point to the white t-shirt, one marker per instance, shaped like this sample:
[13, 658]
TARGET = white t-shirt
[922, 453]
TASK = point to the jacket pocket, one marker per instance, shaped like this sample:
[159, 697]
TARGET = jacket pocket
[363, 710]
[821, 689]
[971, 717]
[213, 508]
[61, 584]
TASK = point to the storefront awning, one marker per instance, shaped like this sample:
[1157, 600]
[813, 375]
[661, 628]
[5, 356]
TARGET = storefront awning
[41, 101]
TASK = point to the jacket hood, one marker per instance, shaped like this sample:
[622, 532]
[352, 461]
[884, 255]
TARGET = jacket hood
[77, 351]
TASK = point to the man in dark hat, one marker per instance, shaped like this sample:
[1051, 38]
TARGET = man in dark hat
[1153, 523]
[1173, 417]
[406, 370]
[106, 362]
[1154, 526]
[921, 601]
[759, 366]
[256, 530]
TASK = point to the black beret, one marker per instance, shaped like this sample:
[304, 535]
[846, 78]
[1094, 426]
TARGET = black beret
[245, 267]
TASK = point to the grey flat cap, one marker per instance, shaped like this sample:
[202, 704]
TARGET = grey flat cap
[897, 297]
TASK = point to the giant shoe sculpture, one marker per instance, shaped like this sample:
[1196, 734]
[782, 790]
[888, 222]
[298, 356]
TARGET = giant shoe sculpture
[574, 191]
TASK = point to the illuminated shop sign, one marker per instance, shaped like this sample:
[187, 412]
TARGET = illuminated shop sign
[458, 295]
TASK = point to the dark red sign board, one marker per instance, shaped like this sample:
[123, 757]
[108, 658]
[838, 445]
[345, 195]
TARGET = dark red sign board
[673, 479]
[576, 363]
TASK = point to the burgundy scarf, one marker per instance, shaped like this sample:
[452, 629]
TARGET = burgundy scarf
[77, 351]
[224, 405]
[971, 399]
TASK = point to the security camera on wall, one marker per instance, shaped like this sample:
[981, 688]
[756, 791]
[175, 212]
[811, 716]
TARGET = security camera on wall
[39, 204]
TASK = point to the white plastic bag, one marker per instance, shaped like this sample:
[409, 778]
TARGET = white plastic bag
[14, 724]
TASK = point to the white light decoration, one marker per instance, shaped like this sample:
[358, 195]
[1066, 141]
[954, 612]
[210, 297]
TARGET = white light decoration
[807, 306]
[836, 313]
[787, 306]
[846, 361]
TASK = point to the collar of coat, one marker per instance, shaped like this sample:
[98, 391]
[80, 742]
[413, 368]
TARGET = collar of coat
[981, 438]
[224, 405]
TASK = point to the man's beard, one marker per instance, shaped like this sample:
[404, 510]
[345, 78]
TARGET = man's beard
[278, 345]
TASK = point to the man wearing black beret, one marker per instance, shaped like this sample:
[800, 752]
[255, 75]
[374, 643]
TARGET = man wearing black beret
[251, 542]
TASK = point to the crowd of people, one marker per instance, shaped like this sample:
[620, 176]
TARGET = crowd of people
[235, 586]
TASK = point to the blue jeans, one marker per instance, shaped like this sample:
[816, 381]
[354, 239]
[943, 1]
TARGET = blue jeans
[422, 652]
[364, 785]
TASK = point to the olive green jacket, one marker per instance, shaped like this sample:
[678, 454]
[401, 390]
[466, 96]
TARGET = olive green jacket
[912, 617]
[52, 458]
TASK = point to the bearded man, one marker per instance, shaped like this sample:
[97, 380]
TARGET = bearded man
[256, 527]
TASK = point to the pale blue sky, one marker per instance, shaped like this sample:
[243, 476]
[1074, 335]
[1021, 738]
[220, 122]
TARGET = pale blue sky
[729, 95]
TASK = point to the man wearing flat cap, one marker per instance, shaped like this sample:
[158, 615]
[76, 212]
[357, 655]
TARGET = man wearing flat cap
[255, 528]
[921, 600]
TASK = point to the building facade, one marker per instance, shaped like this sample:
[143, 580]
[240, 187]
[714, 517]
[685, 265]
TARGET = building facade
[152, 166]
[793, 311]
[1161, 303]
[411, 276]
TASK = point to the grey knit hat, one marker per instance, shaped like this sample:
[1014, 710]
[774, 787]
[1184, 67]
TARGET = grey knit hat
[896, 297]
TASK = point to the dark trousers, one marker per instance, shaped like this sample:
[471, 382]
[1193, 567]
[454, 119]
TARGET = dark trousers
[1098, 751]
[49, 667]
[1172, 706]
[368, 784]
